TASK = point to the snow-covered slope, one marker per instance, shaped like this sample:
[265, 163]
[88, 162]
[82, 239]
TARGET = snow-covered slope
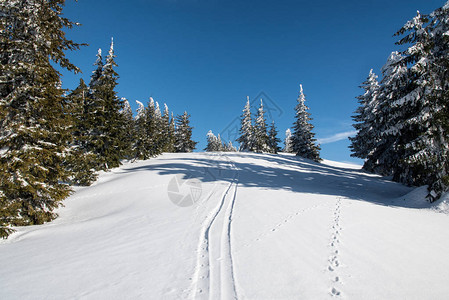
[246, 226]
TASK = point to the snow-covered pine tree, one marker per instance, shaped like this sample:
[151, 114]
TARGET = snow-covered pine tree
[139, 150]
[34, 130]
[364, 118]
[152, 132]
[213, 144]
[167, 140]
[303, 141]
[107, 138]
[288, 146]
[171, 135]
[183, 134]
[96, 74]
[384, 148]
[260, 131]
[246, 138]
[273, 140]
[128, 129]
[424, 139]
[80, 160]
[229, 147]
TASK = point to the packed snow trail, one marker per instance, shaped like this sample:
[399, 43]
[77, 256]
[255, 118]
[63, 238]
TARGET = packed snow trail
[234, 226]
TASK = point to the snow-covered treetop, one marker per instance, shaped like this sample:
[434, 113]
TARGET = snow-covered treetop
[126, 107]
[288, 132]
[157, 111]
[140, 110]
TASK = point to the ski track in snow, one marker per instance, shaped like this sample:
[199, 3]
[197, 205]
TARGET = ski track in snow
[334, 262]
[214, 273]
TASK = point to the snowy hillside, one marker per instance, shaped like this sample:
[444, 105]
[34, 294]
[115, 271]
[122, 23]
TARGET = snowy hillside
[246, 226]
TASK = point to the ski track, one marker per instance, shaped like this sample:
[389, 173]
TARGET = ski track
[214, 272]
[334, 262]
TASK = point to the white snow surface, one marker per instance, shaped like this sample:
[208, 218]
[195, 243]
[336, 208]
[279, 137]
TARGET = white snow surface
[245, 226]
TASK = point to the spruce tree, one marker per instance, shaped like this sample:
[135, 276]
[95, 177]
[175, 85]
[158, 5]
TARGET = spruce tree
[303, 141]
[167, 140]
[273, 140]
[183, 134]
[246, 138]
[213, 143]
[362, 143]
[34, 128]
[140, 141]
[288, 146]
[129, 133]
[80, 160]
[107, 137]
[260, 131]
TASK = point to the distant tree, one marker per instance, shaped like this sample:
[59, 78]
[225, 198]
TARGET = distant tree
[212, 143]
[261, 139]
[246, 138]
[129, 133]
[167, 135]
[303, 141]
[273, 140]
[141, 139]
[288, 146]
[183, 134]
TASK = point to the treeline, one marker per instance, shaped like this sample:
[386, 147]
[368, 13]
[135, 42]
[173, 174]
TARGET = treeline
[256, 137]
[51, 140]
[403, 120]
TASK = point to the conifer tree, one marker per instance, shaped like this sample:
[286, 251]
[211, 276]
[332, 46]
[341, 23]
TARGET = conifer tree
[273, 140]
[80, 160]
[167, 140]
[288, 146]
[152, 132]
[171, 135]
[129, 133]
[34, 129]
[260, 131]
[140, 142]
[303, 141]
[213, 144]
[183, 134]
[362, 143]
[246, 138]
[107, 137]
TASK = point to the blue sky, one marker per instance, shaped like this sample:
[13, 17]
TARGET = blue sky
[207, 56]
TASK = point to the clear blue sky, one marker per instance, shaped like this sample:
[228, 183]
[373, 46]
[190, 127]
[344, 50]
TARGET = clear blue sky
[206, 56]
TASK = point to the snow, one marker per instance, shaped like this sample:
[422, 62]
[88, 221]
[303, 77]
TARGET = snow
[246, 226]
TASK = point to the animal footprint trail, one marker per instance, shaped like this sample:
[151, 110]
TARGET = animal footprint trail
[279, 225]
[333, 261]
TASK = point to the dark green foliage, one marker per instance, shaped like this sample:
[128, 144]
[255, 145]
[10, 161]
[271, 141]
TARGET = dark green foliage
[183, 134]
[303, 139]
[106, 137]
[80, 161]
[273, 140]
[261, 140]
[34, 127]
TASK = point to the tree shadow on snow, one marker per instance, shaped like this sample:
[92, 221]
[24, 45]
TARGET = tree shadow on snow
[284, 172]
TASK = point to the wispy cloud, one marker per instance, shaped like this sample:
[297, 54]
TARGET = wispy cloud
[336, 137]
